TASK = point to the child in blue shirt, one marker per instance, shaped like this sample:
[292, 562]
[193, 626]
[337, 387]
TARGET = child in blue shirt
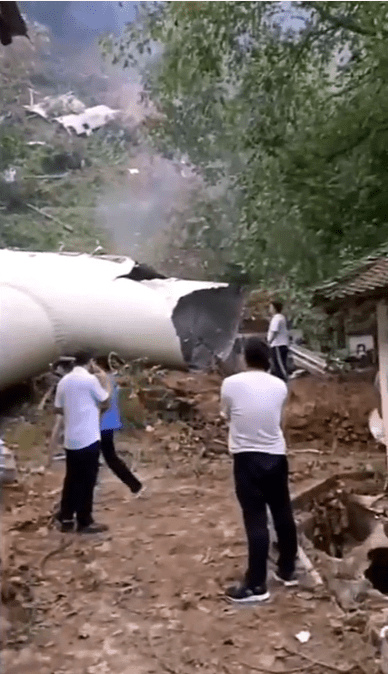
[111, 422]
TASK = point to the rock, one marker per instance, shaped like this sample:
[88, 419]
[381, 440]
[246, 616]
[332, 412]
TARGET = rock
[85, 632]
[384, 650]
[4, 629]
[8, 470]
[375, 624]
[349, 593]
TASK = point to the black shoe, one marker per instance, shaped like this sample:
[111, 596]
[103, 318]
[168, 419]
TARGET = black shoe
[64, 525]
[92, 528]
[242, 594]
[288, 579]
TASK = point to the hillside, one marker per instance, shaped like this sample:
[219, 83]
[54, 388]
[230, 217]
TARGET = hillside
[61, 189]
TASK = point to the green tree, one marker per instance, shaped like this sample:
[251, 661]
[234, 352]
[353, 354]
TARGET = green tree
[288, 103]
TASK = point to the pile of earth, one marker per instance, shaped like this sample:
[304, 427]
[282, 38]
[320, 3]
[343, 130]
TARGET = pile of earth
[328, 412]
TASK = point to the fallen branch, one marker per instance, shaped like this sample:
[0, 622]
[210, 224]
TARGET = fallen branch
[305, 451]
[51, 217]
[65, 544]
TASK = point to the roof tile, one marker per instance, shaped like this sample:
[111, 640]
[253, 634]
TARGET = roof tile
[366, 278]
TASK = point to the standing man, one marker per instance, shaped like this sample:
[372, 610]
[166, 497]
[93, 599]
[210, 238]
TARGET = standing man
[79, 397]
[278, 340]
[253, 401]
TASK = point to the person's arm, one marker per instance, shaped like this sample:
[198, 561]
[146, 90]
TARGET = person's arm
[273, 329]
[282, 414]
[59, 402]
[58, 409]
[102, 388]
[54, 439]
[225, 403]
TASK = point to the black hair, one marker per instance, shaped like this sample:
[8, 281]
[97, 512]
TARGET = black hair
[103, 361]
[256, 354]
[82, 358]
[278, 306]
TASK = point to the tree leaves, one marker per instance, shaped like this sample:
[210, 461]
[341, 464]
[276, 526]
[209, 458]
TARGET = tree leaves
[290, 106]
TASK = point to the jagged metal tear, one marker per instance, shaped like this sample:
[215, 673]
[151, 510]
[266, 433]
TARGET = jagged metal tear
[202, 320]
[54, 303]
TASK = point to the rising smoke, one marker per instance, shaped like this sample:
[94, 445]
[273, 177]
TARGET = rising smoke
[137, 210]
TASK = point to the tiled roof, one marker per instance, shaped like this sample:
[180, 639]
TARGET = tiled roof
[367, 279]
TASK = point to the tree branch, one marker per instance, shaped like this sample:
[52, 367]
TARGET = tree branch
[344, 23]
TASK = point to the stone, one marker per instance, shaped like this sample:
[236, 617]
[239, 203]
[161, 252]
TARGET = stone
[377, 621]
[8, 470]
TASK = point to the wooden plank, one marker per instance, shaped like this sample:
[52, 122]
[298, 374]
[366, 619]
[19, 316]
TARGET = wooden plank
[382, 335]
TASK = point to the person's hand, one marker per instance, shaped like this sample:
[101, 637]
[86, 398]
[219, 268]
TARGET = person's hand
[96, 369]
[93, 367]
[51, 447]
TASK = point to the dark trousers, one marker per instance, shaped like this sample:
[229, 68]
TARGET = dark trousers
[78, 487]
[262, 479]
[116, 465]
[279, 355]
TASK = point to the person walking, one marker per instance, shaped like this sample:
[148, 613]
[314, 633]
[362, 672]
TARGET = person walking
[79, 397]
[111, 422]
[278, 340]
[252, 401]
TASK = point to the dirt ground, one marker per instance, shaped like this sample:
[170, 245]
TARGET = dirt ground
[148, 595]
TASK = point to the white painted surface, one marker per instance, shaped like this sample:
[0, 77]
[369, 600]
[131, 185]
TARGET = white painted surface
[52, 304]
[89, 120]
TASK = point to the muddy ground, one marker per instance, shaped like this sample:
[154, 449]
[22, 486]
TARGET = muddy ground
[148, 595]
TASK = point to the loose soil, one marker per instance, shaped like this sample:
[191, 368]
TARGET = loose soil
[148, 596]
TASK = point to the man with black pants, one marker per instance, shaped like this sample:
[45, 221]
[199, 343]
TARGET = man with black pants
[79, 396]
[111, 422]
[253, 401]
[278, 340]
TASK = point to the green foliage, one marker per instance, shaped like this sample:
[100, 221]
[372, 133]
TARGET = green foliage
[56, 173]
[289, 105]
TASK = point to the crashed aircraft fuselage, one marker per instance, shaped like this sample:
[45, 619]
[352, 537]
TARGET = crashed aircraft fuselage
[52, 304]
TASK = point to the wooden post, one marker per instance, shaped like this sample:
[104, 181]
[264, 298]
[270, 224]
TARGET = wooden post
[382, 337]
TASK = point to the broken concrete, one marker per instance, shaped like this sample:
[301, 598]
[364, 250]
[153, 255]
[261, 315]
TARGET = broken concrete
[358, 569]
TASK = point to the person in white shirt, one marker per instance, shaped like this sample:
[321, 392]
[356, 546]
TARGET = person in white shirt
[253, 401]
[278, 340]
[79, 397]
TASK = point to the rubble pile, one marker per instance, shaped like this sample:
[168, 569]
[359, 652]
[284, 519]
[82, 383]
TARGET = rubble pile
[190, 406]
[331, 523]
[331, 411]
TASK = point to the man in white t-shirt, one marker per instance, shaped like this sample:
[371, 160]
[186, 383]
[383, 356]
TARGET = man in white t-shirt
[79, 397]
[253, 402]
[278, 340]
